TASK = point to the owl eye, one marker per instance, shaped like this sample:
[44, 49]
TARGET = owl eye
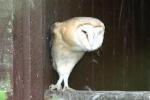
[85, 34]
[84, 31]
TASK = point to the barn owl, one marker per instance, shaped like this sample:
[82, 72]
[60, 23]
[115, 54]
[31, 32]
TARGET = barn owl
[72, 38]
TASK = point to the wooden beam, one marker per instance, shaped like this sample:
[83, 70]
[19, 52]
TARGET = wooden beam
[97, 95]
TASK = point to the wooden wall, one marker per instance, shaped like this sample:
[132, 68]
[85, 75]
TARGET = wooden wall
[29, 61]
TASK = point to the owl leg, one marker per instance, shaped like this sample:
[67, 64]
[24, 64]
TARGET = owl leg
[66, 86]
[57, 86]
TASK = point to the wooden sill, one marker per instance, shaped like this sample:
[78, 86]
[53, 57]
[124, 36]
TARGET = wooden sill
[97, 95]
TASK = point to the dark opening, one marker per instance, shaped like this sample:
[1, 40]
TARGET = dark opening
[123, 61]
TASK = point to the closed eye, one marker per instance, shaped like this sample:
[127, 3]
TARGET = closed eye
[84, 31]
[85, 34]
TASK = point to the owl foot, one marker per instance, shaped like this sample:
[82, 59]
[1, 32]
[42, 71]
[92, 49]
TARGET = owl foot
[68, 89]
[55, 87]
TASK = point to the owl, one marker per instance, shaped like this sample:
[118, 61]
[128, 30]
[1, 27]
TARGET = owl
[72, 38]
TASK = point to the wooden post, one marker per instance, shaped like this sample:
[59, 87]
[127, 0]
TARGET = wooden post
[29, 50]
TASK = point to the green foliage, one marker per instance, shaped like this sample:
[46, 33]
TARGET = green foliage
[3, 95]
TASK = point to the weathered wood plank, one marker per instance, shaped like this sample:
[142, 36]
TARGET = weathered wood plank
[97, 95]
[29, 50]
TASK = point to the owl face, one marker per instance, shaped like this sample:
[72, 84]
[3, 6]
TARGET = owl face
[89, 37]
[80, 33]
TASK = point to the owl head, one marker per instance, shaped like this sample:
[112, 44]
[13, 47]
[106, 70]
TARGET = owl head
[80, 33]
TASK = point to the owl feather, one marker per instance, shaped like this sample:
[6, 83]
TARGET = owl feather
[72, 38]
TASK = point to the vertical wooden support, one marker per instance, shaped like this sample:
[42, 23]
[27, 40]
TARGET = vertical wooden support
[29, 54]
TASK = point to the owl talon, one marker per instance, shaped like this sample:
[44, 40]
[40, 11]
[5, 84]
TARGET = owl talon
[55, 87]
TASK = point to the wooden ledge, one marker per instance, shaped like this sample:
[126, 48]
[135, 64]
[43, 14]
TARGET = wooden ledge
[97, 95]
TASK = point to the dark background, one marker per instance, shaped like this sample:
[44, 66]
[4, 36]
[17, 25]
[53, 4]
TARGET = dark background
[123, 62]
